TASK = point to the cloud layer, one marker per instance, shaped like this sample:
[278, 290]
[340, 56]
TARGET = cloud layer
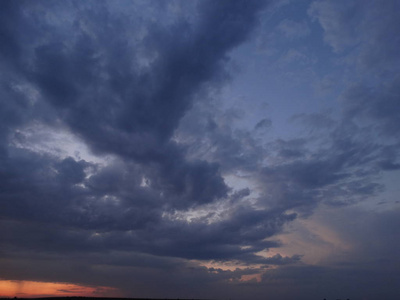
[123, 165]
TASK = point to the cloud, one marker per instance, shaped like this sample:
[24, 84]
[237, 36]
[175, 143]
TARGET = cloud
[264, 123]
[365, 30]
[88, 73]
[369, 97]
[170, 181]
[293, 30]
[96, 86]
[375, 105]
[339, 20]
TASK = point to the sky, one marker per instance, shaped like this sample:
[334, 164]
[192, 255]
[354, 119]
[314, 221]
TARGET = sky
[230, 149]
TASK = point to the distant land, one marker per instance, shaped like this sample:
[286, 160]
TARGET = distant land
[97, 298]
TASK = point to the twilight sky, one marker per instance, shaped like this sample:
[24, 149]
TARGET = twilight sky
[230, 149]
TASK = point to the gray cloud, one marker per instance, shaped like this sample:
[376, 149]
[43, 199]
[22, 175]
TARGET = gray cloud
[90, 73]
[264, 123]
[340, 21]
[137, 83]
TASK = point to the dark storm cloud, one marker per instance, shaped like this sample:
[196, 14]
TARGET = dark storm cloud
[128, 110]
[178, 277]
[122, 86]
[92, 77]
[104, 227]
[102, 215]
[136, 83]
[119, 108]
[364, 273]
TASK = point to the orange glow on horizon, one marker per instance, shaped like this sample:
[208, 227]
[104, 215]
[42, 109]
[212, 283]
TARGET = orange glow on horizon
[27, 289]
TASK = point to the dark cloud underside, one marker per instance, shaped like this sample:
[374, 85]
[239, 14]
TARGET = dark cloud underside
[177, 177]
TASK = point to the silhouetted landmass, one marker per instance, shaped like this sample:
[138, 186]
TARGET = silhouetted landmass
[97, 298]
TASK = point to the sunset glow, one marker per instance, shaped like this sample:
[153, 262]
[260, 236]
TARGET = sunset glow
[22, 288]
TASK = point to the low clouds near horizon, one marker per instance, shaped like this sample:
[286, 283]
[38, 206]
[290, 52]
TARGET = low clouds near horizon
[201, 149]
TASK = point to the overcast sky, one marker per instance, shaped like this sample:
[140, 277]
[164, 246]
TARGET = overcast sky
[229, 149]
